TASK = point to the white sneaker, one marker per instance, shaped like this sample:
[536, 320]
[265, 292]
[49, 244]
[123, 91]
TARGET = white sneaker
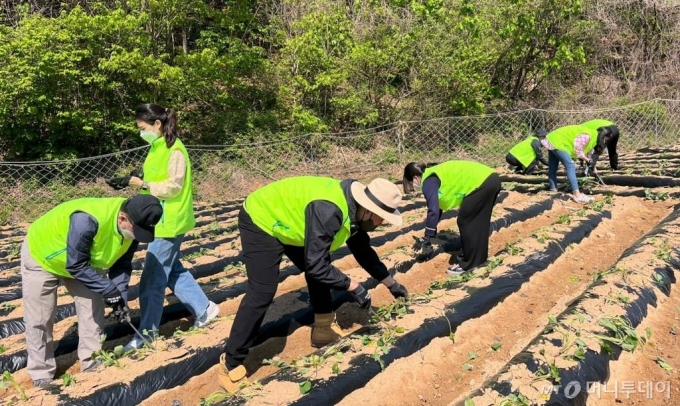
[211, 312]
[583, 198]
[134, 344]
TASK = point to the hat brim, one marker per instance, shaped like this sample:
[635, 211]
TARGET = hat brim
[143, 234]
[360, 197]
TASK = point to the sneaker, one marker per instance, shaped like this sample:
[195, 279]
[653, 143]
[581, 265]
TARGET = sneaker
[211, 312]
[134, 344]
[583, 198]
[42, 383]
[455, 270]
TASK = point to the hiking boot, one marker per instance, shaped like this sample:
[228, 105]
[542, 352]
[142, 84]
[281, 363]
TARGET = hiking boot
[325, 330]
[231, 380]
[211, 312]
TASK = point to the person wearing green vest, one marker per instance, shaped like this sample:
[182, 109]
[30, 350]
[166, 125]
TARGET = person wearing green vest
[466, 184]
[566, 144]
[610, 137]
[74, 244]
[525, 156]
[306, 218]
[167, 175]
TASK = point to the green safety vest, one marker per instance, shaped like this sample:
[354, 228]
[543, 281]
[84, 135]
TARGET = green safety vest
[279, 208]
[524, 152]
[458, 179]
[597, 123]
[563, 138]
[47, 236]
[178, 212]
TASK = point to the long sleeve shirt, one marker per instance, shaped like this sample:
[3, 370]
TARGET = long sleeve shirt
[579, 144]
[81, 232]
[172, 186]
[323, 220]
[536, 146]
[431, 187]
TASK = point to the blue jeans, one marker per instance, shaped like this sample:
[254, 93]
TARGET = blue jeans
[162, 268]
[554, 158]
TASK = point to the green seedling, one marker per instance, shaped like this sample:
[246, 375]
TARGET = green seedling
[515, 400]
[390, 311]
[664, 364]
[193, 330]
[68, 380]
[467, 367]
[472, 355]
[496, 346]
[305, 387]
[200, 253]
[8, 380]
[109, 358]
[469, 402]
[240, 393]
[8, 307]
[513, 249]
[656, 197]
[664, 251]
[617, 298]
[493, 263]
[3, 348]
[581, 212]
[552, 324]
[564, 219]
[13, 251]
[621, 334]
[239, 266]
[549, 371]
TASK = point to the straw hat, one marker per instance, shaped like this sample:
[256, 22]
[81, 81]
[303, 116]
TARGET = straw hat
[381, 197]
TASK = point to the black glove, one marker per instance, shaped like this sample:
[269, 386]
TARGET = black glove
[119, 183]
[423, 249]
[122, 314]
[362, 297]
[398, 291]
[115, 301]
[138, 172]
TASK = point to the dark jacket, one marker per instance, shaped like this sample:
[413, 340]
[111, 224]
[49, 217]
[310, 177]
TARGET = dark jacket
[323, 220]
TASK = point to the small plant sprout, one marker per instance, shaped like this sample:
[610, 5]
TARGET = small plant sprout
[513, 249]
[564, 219]
[193, 330]
[8, 307]
[496, 346]
[68, 380]
[8, 380]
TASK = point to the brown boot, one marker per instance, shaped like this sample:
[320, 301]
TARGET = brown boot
[231, 381]
[325, 330]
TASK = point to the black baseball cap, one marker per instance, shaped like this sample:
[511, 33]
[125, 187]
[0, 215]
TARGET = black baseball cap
[145, 211]
[541, 133]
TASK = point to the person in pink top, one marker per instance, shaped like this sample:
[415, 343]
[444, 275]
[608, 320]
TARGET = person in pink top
[568, 143]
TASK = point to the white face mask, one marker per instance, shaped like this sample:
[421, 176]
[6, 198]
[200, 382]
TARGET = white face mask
[148, 136]
[127, 234]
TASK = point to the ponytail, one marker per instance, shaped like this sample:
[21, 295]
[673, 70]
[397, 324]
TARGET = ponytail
[412, 170]
[170, 127]
[150, 113]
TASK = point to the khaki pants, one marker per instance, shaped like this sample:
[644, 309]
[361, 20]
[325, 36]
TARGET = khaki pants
[39, 289]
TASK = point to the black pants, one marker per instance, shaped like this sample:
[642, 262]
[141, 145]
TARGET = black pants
[512, 161]
[262, 255]
[474, 222]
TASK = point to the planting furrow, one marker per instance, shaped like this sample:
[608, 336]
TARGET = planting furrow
[281, 325]
[563, 364]
[443, 371]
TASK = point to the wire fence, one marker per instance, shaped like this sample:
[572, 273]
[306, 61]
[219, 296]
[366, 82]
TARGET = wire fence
[223, 173]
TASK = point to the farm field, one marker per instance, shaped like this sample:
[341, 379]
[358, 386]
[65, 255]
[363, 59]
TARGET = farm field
[572, 297]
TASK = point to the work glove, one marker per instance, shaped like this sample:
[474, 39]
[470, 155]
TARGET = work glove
[398, 291]
[137, 172]
[119, 183]
[423, 249]
[116, 302]
[362, 297]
